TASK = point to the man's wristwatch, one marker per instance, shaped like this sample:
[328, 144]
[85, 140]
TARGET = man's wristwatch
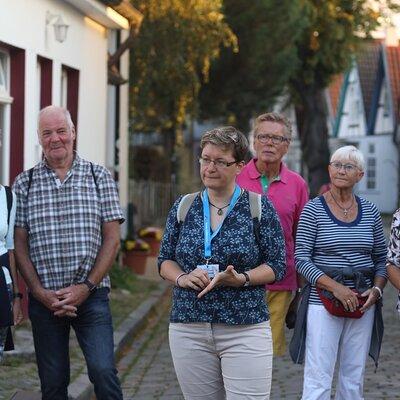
[18, 295]
[91, 286]
[247, 281]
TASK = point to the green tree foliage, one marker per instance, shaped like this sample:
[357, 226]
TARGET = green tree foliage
[334, 31]
[176, 44]
[247, 83]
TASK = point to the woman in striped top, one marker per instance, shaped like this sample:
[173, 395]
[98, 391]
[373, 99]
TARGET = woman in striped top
[340, 243]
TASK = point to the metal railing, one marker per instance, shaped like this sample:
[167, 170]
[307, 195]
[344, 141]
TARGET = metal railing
[151, 201]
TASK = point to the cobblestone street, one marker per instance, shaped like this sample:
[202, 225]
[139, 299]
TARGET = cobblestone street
[147, 371]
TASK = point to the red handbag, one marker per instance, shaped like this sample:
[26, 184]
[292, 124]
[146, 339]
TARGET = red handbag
[335, 307]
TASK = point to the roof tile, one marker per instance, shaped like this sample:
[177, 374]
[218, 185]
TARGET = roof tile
[334, 92]
[393, 65]
[367, 63]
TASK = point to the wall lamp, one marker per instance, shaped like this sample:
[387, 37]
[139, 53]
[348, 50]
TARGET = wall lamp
[60, 27]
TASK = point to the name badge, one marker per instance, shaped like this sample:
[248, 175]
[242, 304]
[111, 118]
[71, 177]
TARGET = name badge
[212, 269]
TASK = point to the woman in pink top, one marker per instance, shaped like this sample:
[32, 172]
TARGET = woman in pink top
[288, 192]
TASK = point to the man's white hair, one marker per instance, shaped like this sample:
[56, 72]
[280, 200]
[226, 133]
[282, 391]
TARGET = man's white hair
[350, 153]
[65, 112]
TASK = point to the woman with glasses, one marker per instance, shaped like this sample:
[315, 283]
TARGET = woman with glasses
[10, 298]
[340, 250]
[219, 253]
[268, 175]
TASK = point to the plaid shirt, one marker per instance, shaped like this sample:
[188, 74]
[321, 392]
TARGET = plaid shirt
[64, 220]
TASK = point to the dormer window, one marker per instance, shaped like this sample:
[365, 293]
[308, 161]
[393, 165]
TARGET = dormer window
[386, 108]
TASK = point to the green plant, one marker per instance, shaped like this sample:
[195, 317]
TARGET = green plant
[123, 278]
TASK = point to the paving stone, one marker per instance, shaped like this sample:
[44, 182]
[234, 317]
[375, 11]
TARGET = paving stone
[153, 377]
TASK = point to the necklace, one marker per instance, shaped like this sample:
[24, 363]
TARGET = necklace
[344, 210]
[220, 209]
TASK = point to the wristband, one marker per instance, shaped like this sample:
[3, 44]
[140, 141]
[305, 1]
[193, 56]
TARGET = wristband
[17, 296]
[90, 285]
[177, 278]
[379, 290]
[247, 281]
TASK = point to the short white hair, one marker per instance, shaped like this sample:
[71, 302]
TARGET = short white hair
[350, 153]
[64, 111]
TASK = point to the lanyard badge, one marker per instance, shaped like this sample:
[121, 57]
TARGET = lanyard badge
[213, 269]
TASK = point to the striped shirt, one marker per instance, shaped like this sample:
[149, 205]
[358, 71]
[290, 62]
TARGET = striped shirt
[324, 241]
[64, 220]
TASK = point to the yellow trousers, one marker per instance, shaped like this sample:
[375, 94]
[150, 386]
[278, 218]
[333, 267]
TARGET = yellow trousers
[278, 305]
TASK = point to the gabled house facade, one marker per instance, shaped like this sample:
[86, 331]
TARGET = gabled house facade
[364, 117]
[57, 52]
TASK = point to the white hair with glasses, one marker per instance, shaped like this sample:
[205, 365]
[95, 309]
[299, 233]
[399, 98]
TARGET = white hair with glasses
[350, 153]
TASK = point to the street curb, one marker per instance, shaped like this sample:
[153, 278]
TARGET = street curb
[81, 388]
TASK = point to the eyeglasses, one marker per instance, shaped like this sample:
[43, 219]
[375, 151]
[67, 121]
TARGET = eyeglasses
[347, 167]
[205, 162]
[275, 139]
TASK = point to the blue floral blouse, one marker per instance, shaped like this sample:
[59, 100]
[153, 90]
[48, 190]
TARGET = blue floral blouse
[235, 244]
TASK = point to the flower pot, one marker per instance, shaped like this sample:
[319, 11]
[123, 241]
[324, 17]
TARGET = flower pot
[135, 260]
[154, 246]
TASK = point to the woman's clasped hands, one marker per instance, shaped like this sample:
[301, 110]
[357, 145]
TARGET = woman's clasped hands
[199, 280]
[350, 300]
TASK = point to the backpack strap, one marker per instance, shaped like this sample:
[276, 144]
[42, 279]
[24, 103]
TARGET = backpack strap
[30, 178]
[255, 205]
[9, 198]
[184, 206]
[255, 211]
[94, 177]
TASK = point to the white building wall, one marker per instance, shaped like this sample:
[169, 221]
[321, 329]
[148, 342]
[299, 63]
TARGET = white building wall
[381, 149]
[31, 87]
[384, 119]
[352, 121]
[123, 142]
[23, 25]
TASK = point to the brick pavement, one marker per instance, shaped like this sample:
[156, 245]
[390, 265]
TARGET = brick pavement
[146, 370]
[152, 375]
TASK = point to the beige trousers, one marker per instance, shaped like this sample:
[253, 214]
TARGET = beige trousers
[219, 361]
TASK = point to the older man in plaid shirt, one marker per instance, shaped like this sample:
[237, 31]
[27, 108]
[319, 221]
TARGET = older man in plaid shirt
[66, 239]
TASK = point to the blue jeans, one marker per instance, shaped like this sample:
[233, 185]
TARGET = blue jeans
[93, 328]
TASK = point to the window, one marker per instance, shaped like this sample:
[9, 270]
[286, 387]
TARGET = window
[354, 106]
[371, 173]
[3, 73]
[64, 88]
[386, 105]
[4, 78]
[371, 148]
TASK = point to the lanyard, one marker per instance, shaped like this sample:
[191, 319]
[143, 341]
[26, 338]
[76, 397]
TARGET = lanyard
[208, 237]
